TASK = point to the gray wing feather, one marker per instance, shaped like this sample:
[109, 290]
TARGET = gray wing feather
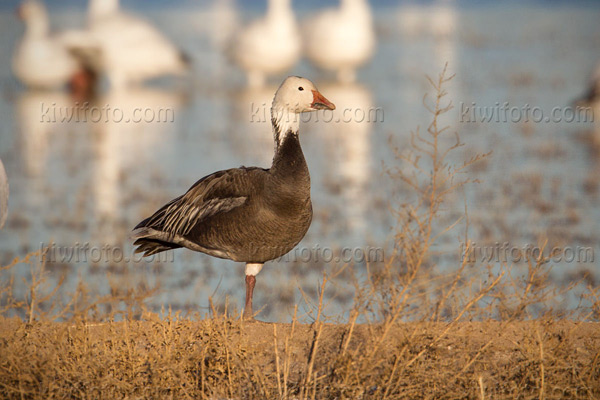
[209, 196]
[179, 219]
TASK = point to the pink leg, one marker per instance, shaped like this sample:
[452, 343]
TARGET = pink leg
[250, 282]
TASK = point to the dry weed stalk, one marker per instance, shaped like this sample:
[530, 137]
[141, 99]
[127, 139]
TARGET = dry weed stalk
[430, 178]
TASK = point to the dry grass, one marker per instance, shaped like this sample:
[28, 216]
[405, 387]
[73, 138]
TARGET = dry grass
[223, 358]
[415, 331]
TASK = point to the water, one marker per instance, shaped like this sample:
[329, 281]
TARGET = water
[78, 184]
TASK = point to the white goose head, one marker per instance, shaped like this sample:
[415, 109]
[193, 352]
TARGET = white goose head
[295, 95]
[34, 14]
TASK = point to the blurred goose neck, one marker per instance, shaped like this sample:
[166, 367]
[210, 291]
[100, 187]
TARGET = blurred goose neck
[279, 9]
[102, 8]
[38, 25]
[354, 6]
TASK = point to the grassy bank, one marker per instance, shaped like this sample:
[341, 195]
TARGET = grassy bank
[226, 358]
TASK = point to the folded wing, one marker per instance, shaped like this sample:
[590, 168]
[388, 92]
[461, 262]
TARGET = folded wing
[214, 194]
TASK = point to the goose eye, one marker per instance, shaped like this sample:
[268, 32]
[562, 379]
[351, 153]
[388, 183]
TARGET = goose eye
[300, 88]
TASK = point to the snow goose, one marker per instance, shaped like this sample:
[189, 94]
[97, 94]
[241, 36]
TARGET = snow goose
[40, 60]
[269, 45]
[131, 49]
[249, 215]
[341, 39]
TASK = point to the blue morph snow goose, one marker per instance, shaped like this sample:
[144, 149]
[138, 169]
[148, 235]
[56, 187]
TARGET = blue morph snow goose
[249, 215]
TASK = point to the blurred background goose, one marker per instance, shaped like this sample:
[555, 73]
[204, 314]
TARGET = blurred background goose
[341, 39]
[132, 49]
[269, 45]
[127, 49]
[41, 61]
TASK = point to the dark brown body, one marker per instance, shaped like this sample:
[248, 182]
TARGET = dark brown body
[243, 214]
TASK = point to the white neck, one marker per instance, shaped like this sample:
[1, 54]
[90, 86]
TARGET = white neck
[102, 8]
[285, 123]
[38, 25]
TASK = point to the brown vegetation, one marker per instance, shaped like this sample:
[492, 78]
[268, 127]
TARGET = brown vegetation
[224, 358]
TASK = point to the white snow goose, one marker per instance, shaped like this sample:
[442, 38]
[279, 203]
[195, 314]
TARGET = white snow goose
[341, 39]
[249, 215]
[132, 49]
[129, 49]
[40, 60]
[269, 45]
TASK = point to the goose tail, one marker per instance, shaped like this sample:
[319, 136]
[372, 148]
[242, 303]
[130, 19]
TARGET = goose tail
[149, 243]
